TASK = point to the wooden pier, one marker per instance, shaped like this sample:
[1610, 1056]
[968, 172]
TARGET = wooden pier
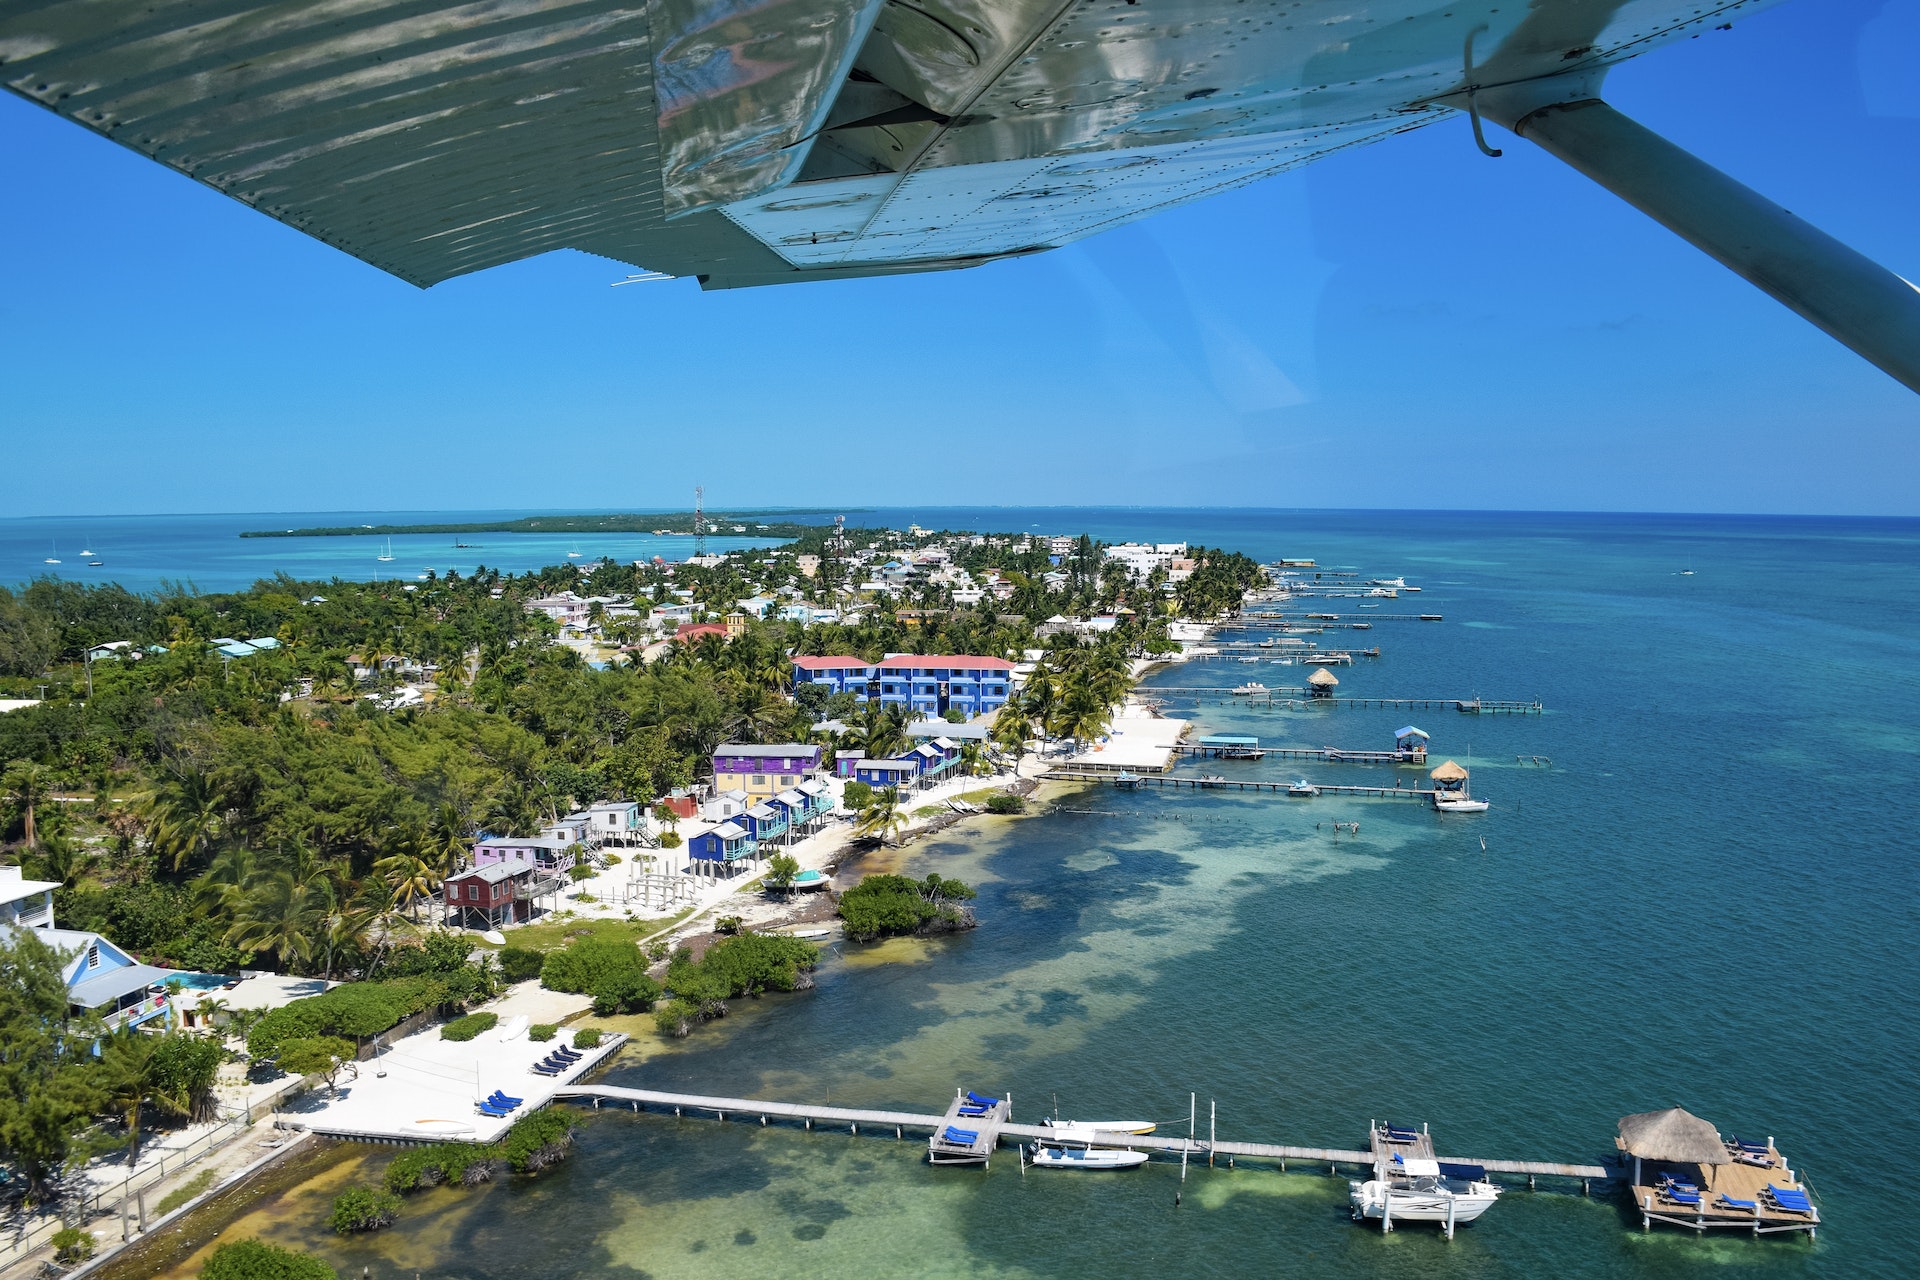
[1326, 755]
[879, 1122]
[1294, 695]
[1196, 783]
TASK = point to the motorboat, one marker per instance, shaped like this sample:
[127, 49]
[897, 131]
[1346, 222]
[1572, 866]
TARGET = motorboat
[1251, 689]
[808, 879]
[1212, 780]
[1424, 1191]
[1397, 584]
[1080, 1129]
[1461, 804]
[1301, 787]
[1246, 659]
[1125, 781]
[1088, 1158]
[1267, 644]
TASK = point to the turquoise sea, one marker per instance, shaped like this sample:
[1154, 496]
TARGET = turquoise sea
[1707, 898]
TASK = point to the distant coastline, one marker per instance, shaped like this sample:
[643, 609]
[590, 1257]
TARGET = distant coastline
[631, 522]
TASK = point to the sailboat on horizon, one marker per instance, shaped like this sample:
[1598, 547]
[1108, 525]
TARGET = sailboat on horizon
[55, 557]
[386, 554]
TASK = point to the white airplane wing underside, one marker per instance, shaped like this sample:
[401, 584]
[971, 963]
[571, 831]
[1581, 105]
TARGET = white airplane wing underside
[762, 141]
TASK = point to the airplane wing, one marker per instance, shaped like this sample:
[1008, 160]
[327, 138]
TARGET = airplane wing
[752, 142]
[756, 141]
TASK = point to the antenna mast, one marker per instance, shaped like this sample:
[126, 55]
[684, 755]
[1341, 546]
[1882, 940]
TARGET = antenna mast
[699, 520]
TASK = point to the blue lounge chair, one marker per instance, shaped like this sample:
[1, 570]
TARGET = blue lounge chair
[1728, 1202]
[965, 1137]
[1751, 1148]
[542, 1069]
[488, 1109]
[979, 1101]
[974, 1111]
[1790, 1199]
[500, 1099]
[1677, 1196]
[1400, 1135]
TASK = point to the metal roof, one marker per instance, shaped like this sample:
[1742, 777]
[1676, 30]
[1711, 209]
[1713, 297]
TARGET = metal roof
[494, 872]
[114, 983]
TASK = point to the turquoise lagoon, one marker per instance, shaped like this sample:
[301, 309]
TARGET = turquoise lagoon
[1706, 899]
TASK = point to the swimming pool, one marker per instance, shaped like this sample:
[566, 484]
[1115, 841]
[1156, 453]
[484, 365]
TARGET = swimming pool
[197, 981]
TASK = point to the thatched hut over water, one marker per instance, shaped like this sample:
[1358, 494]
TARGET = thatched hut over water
[1322, 683]
[1673, 1136]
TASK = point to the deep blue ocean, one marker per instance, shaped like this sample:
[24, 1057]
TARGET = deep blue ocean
[1702, 893]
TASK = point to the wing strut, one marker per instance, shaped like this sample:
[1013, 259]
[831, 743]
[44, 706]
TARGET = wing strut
[1858, 301]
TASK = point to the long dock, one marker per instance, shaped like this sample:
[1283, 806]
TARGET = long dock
[879, 1121]
[1196, 783]
[1293, 694]
[1326, 755]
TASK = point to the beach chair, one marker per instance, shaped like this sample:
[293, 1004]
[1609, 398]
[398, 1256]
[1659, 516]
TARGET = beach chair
[488, 1109]
[1791, 1199]
[979, 1101]
[964, 1137]
[542, 1069]
[1751, 1148]
[500, 1099]
[974, 1111]
[1728, 1202]
[1400, 1135]
[1674, 1195]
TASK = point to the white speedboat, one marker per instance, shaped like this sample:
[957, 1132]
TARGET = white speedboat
[1426, 1192]
[1081, 1130]
[1251, 689]
[1301, 787]
[1398, 584]
[1461, 804]
[1090, 1158]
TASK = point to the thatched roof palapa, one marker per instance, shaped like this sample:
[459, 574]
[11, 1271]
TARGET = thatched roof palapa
[1323, 677]
[1674, 1135]
[1449, 772]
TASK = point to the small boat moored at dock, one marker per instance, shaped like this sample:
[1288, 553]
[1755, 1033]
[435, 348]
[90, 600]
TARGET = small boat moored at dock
[1087, 1158]
[1251, 689]
[1420, 1190]
[1301, 787]
[1080, 1130]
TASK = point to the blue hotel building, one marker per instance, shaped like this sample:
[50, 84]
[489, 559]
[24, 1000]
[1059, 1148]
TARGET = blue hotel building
[925, 684]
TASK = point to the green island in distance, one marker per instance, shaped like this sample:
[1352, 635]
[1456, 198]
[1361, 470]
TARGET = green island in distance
[628, 522]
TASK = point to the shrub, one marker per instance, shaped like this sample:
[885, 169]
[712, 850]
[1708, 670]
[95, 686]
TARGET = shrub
[625, 993]
[671, 840]
[316, 1056]
[746, 965]
[470, 1026]
[355, 1010]
[258, 1260]
[587, 963]
[727, 926]
[1004, 803]
[519, 964]
[537, 1140]
[656, 951]
[587, 1038]
[467, 1163]
[541, 1032]
[71, 1244]
[858, 795]
[885, 905]
[363, 1209]
[611, 859]
[579, 871]
[676, 1018]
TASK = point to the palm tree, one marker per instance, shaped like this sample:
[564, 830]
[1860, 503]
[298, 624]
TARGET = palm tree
[973, 758]
[444, 843]
[883, 818]
[282, 915]
[186, 814]
[880, 730]
[1011, 730]
[130, 1078]
[65, 859]
[411, 879]
[26, 789]
[218, 889]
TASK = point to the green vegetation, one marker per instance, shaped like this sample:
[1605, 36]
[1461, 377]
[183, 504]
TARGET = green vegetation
[746, 965]
[190, 1189]
[356, 1010]
[363, 1209]
[781, 869]
[466, 1163]
[888, 905]
[1004, 802]
[857, 795]
[324, 1056]
[520, 964]
[589, 962]
[71, 1244]
[469, 1026]
[882, 819]
[624, 993]
[587, 1038]
[258, 1260]
[541, 1032]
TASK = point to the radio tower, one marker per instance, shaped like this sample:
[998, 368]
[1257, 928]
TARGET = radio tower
[699, 520]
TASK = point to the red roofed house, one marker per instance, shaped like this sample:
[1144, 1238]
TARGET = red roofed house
[688, 632]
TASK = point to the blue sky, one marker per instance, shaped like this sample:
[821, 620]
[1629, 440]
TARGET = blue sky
[1408, 325]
